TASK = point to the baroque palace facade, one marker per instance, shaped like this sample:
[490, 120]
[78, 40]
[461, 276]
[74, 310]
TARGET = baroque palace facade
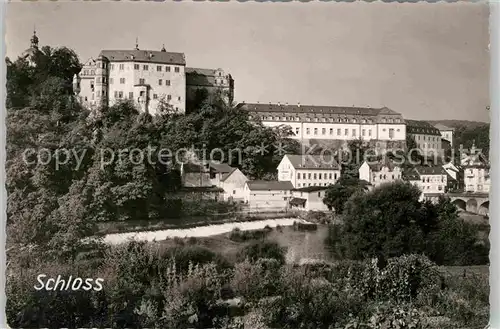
[332, 125]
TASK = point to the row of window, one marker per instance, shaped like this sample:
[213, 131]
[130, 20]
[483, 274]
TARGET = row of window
[312, 184]
[317, 176]
[429, 145]
[352, 120]
[434, 179]
[141, 81]
[145, 67]
[119, 94]
[429, 138]
[346, 131]
[398, 176]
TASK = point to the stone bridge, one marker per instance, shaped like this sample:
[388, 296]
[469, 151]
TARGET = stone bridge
[477, 203]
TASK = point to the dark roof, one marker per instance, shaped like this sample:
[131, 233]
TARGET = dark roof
[384, 163]
[147, 56]
[431, 170]
[313, 161]
[411, 174]
[201, 189]
[421, 127]
[423, 170]
[199, 71]
[298, 201]
[203, 77]
[342, 112]
[28, 53]
[220, 167]
[273, 185]
[226, 175]
[309, 189]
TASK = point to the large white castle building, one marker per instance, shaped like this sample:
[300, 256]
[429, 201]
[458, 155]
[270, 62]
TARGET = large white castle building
[332, 123]
[152, 80]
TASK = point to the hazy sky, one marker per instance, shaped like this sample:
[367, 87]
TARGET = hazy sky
[426, 61]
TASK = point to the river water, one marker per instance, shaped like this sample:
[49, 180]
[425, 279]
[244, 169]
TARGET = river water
[199, 231]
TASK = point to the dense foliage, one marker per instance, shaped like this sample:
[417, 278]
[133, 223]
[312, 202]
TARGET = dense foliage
[68, 169]
[148, 287]
[337, 195]
[390, 221]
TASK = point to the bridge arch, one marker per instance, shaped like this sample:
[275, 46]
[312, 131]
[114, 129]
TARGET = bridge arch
[484, 208]
[472, 205]
[460, 204]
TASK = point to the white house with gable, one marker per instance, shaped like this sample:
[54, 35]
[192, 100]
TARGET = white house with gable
[380, 172]
[308, 170]
[233, 184]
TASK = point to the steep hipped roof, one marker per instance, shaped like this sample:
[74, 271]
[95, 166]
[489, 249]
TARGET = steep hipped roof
[421, 127]
[273, 185]
[377, 166]
[147, 56]
[220, 167]
[313, 162]
[422, 170]
[309, 189]
[226, 175]
[204, 77]
[295, 108]
[415, 173]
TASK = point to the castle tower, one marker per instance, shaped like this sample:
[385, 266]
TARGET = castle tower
[101, 83]
[34, 40]
[76, 84]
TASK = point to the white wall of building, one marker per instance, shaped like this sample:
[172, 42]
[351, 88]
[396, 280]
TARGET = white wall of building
[431, 183]
[341, 131]
[429, 143]
[262, 200]
[303, 177]
[476, 179]
[314, 200]
[234, 186]
[165, 83]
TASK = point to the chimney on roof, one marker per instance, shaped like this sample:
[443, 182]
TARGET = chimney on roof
[279, 103]
[298, 104]
[150, 55]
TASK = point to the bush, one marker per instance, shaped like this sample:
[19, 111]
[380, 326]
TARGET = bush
[184, 255]
[305, 226]
[262, 249]
[238, 235]
[254, 281]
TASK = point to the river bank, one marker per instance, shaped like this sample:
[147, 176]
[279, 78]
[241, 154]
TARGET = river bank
[198, 231]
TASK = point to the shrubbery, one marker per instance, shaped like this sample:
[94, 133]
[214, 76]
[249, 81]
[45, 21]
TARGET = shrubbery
[145, 287]
[238, 235]
[390, 221]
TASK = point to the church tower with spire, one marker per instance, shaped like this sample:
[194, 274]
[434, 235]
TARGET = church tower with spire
[29, 53]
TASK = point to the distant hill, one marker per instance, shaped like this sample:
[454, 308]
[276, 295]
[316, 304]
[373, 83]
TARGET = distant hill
[460, 123]
[467, 132]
